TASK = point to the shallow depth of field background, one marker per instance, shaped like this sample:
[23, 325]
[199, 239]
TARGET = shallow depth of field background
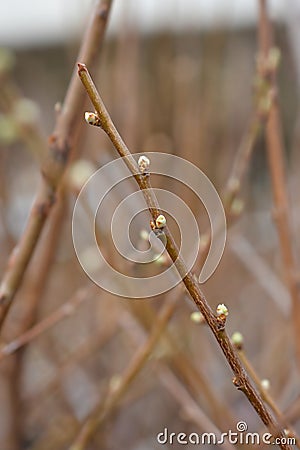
[184, 90]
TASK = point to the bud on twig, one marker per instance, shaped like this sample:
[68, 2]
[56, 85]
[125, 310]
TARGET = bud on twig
[92, 119]
[144, 164]
[222, 313]
[222, 310]
[161, 221]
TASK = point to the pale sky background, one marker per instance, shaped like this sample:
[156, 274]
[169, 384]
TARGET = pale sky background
[35, 22]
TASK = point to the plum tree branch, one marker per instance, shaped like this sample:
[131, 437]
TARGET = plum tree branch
[60, 146]
[275, 153]
[216, 324]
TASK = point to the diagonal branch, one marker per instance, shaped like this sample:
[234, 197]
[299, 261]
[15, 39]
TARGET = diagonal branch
[275, 151]
[118, 388]
[60, 145]
[216, 324]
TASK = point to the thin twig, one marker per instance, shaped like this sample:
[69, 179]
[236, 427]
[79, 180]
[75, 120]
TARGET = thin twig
[265, 394]
[60, 145]
[65, 310]
[176, 387]
[22, 315]
[78, 357]
[241, 161]
[27, 128]
[177, 364]
[182, 365]
[264, 275]
[190, 407]
[293, 412]
[234, 183]
[232, 207]
[276, 152]
[120, 384]
[216, 324]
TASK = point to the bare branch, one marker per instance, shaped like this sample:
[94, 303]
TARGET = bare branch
[276, 154]
[60, 145]
[216, 324]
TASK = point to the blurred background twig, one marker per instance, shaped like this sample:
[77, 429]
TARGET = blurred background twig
[192, 84]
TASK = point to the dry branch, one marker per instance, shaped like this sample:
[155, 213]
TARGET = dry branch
[120, 384]
[276, 154]
[216, 324]
[65, 310]
[264, 392]
[60, 146]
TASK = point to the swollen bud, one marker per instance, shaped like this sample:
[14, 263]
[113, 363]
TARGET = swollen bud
[144, 164]
[92, 119]
[161, 221]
